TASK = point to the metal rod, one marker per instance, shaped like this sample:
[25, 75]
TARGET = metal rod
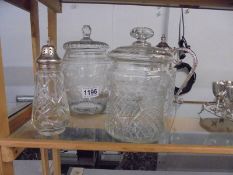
[24, 98]
[197, 102]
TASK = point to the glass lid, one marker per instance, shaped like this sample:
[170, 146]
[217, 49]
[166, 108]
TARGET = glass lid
[86, 43]
[141, 50]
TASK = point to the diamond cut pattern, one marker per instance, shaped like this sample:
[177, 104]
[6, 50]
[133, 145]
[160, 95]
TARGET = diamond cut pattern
[50, 107]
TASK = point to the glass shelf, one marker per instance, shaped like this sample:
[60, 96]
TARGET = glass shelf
[87, 133]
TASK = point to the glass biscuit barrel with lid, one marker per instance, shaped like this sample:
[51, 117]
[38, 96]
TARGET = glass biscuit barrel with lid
[141, 79]
[85, 66]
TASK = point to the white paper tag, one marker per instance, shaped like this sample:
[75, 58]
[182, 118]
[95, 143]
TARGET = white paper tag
[90, 92]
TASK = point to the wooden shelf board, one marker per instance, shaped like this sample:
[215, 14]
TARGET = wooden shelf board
[123, 147]
[54, 5]
[206, 4]
[23, 4]
[20, 118]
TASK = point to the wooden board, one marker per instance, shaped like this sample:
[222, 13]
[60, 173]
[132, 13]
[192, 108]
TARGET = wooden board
[35, 31]
[23, 4]
[123, 147]
[4, 125]
[15, 122]
[20, 118]
[54, 5]
[207, 4]
[10, 154]
[52, 27]
[6, 168]
[56, 161]
[44, 161]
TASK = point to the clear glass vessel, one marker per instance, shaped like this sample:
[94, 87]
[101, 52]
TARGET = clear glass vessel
[85, 66]
[170, 105]
[50, 112]
[142, 81]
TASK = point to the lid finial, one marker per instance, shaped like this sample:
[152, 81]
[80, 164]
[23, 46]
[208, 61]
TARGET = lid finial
[141, 34]
[86, 44]
[163, 43]
[86, 31]
[163, 38]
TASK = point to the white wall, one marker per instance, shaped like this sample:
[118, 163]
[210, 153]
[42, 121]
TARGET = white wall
[16, 48]
[209, 32]
[110, 23]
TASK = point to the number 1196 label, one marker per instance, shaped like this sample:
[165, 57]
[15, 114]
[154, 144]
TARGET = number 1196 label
[90, 92]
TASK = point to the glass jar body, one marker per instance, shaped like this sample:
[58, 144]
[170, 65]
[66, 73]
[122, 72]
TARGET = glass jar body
[50, 114]
[136, 102]
[86, 81]
[170, 104]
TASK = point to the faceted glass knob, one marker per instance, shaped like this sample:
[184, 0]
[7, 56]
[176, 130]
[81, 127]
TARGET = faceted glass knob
[141, 33]
[86, 31]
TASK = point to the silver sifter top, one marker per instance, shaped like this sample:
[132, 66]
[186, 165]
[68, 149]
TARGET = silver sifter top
[48, 57]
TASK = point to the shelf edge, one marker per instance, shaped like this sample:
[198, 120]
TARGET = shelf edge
[106, 146]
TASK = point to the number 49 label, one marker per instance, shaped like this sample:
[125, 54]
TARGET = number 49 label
[90, 92]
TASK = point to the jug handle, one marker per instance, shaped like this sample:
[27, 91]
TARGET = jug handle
[194, 66]
[179, 101]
